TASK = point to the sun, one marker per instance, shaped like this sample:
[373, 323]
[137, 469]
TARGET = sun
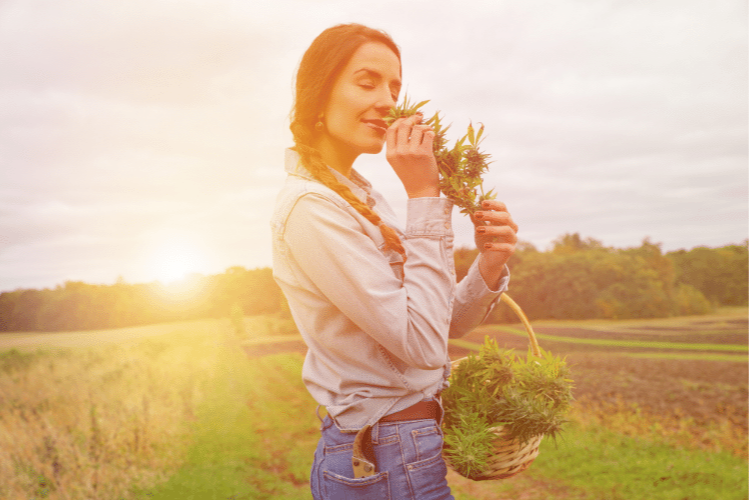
[177, 264]
[174, 257]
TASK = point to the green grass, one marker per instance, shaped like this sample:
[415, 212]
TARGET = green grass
[613, 466]
[251, 430]
[254, 435]
[14, 360]
[593, 463]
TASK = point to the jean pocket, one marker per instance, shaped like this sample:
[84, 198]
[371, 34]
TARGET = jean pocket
[428, 478]
[375, 487]
[427, 442]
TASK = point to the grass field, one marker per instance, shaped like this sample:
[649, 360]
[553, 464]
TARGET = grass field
[192, 411]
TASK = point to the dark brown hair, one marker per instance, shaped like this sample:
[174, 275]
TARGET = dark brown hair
[322, 63]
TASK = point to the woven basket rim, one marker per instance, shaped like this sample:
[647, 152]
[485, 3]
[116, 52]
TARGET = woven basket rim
[503, 466]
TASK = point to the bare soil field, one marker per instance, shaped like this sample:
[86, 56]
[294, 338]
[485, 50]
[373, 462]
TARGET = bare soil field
[678, 335]
[730, 331]
[703, 401]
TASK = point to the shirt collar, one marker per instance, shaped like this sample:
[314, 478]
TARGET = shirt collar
[361, 187]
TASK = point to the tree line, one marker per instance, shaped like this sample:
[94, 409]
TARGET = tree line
[578, 278]
[80, 306]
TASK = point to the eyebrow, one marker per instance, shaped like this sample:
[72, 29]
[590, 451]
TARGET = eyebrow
[396, 83]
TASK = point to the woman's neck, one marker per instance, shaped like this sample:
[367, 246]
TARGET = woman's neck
[335, 157]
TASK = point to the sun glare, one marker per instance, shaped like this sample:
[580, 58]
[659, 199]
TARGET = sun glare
[176, 265]
[174, 257]
[174, 260]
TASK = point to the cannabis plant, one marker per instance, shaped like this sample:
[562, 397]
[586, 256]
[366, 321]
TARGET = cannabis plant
[461, 167]
[529, 396]
[526, 396]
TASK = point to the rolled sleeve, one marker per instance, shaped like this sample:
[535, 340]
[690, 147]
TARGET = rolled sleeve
[474, 300]
[429, 217]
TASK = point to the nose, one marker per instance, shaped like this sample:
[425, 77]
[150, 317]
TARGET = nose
[386, 101]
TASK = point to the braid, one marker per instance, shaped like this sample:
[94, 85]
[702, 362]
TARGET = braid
[312, 160]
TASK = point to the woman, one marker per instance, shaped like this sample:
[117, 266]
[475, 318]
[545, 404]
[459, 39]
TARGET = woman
[374, 303]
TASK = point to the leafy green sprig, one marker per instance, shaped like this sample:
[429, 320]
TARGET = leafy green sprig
[528, 396]
[461, 167]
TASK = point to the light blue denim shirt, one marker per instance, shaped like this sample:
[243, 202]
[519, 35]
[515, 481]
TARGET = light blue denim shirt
[376, 329]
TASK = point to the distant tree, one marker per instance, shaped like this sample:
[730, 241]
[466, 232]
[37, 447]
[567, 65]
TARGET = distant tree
[464, 257]
[721, 274]
[569, 243]
[578, 278]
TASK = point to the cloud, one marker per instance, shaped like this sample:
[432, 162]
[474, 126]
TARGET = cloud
[124, 122]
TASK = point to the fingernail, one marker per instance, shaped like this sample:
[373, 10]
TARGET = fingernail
[481, 229]
[488, 246]
[478, 216]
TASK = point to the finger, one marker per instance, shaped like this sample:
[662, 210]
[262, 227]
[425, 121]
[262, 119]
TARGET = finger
[414, 140]
[492, 218]
[498, 233]
[506, 248]
[393, 132]
[494, 205]
[404, 132]
[427, 141]
[421, 139]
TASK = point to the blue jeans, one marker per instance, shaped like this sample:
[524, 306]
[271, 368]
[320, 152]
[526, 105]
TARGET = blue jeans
[409, 463]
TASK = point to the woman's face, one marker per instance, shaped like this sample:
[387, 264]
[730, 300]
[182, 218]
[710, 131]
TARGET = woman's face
[361, 97]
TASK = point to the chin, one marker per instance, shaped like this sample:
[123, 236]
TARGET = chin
[373, 149]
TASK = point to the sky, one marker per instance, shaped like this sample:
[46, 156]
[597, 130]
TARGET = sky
[144, 140]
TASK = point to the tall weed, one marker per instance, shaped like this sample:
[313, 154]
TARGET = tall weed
[89, 423]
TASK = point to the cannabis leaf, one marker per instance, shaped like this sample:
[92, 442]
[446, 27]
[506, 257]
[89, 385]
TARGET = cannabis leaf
[529, 396]
[461, 167]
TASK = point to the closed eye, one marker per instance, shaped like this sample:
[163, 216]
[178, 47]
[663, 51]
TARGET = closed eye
[395, 92]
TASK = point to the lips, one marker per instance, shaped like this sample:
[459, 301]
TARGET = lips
[377, 124]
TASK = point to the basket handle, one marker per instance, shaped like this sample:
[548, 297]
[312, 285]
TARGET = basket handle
[503, 297]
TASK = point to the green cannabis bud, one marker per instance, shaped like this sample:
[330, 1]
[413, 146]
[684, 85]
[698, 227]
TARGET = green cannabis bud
[461, 167]
[528, 397]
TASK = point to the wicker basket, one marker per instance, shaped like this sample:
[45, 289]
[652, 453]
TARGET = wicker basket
[510, 457]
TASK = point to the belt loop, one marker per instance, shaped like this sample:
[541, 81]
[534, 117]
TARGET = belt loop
[317, 412]
[375, 436]
[438, 397]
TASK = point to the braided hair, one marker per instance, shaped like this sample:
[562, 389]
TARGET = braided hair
[320, 66]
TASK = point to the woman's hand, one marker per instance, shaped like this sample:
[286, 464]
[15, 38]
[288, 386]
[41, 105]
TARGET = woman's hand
[496, 236]
[409, 152]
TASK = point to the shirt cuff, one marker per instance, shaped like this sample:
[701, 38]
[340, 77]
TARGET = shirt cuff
[429, 217]
[479, 288]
